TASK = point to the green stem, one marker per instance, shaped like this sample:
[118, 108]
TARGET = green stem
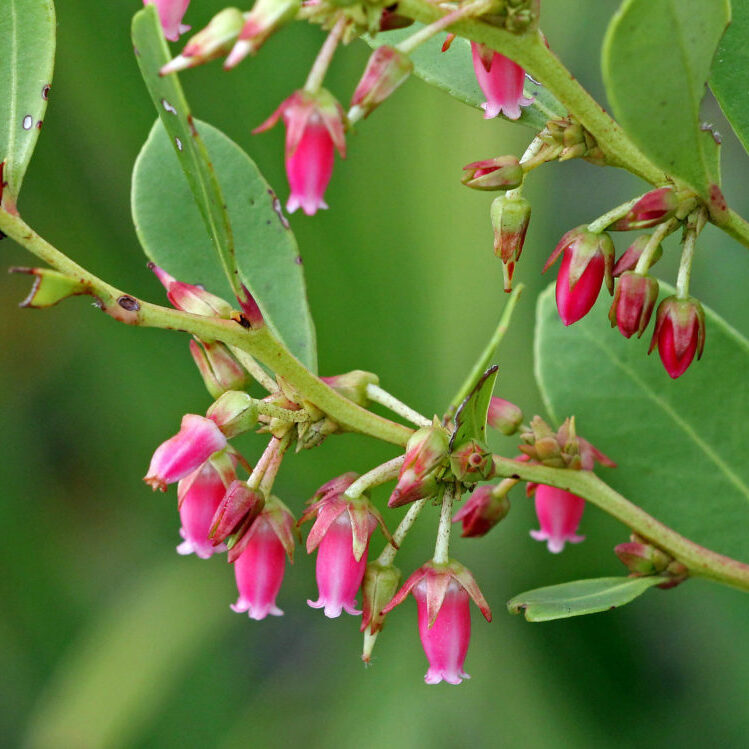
[694, 227]
[375, 477]
[282, 414]
[646, 258]
[388, 553]
[699, 560]
[442, 545]
[614, 214]
[274, 463]
[255, 370]
[378, 395]
[260, 342]
[322, 62]
[483, 362]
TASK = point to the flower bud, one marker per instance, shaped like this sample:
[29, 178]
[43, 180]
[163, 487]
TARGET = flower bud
[198, 438]
[510, 218]
[651, 209]
[259, 569]
[265, 17]
[634, 301]
[484, 509]
[587, 260]
[170, 15]
[501, 81]
[425, 460]
[378, 588]
[679, 333]
[190, 298]
[353, 385]
[504, 416]
[215, 40]
[390, 20]
[386, 69]
[628, 260]
[235, 515]
[235, 412]
[314, 130]
[442, 593]
[559, 513]
[500, 173]
[218, 368]
[642, 558]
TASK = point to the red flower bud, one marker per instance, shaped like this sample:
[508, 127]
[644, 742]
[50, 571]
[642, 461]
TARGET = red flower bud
[483, 510]
[634, 301]
[510, 219]
[628, 260]
[504, 416]
[500, 173]
[679, 333]
[265, 17]
[651, 209]
[235, 516]
[190, 298]
[587, 261]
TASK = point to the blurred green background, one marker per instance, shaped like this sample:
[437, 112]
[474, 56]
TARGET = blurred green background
[108, 639]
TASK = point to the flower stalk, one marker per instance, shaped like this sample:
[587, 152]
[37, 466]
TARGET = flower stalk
[378, 395]
[442, 545]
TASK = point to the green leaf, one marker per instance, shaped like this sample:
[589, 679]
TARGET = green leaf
[470, 418]
[27, 40]
[729, 78]
[452, 71]
[172, 234]
[579, 597]
[656, 61]
[680, 444]
[152, 54]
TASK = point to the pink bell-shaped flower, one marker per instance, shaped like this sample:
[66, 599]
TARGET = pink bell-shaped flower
[341, 535]
[679, 333]
[442, 593]
[199, 496]
[259, 569]
[198, 438]
[559, 514]
[501, 80]
[171, 13]
[314, 130]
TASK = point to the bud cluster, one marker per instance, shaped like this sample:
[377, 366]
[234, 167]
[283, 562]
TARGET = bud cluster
[643, 559]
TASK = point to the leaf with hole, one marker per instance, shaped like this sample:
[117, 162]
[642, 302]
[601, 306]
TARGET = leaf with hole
[680, 444]
[452, 71]
[579, 597]
[27, 38]
[172, 233]
[656, 61]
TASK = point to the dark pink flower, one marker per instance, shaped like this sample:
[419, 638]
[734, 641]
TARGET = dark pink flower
[482, 511]
[198, 438]
[587, 260]
[501, 80]
[190, 298]
[559, 513]
[504, 416]
[199, 496]
[633, 304]
[651, 209]
[259, 569]
[314, 130]
[170, 15]
[442, 593]
[679, 333]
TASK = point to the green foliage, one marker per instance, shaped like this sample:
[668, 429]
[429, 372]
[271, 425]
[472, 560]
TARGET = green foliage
[656, 61]
[172, 233]
[680, 445]
[579, 597]
[470, 418]
[729, 78]
[152, 54]
[27, 38]
[452, 71]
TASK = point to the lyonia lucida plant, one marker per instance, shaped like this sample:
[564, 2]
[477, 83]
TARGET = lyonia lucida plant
[252, 337]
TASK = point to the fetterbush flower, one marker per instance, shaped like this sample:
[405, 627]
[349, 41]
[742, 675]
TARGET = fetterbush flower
[259, 569]
[501, 80]
[679, 333]
[559, 513]
[341, 534]
[314, 131]
[442, 593]
[171, 13]
[198, 438]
